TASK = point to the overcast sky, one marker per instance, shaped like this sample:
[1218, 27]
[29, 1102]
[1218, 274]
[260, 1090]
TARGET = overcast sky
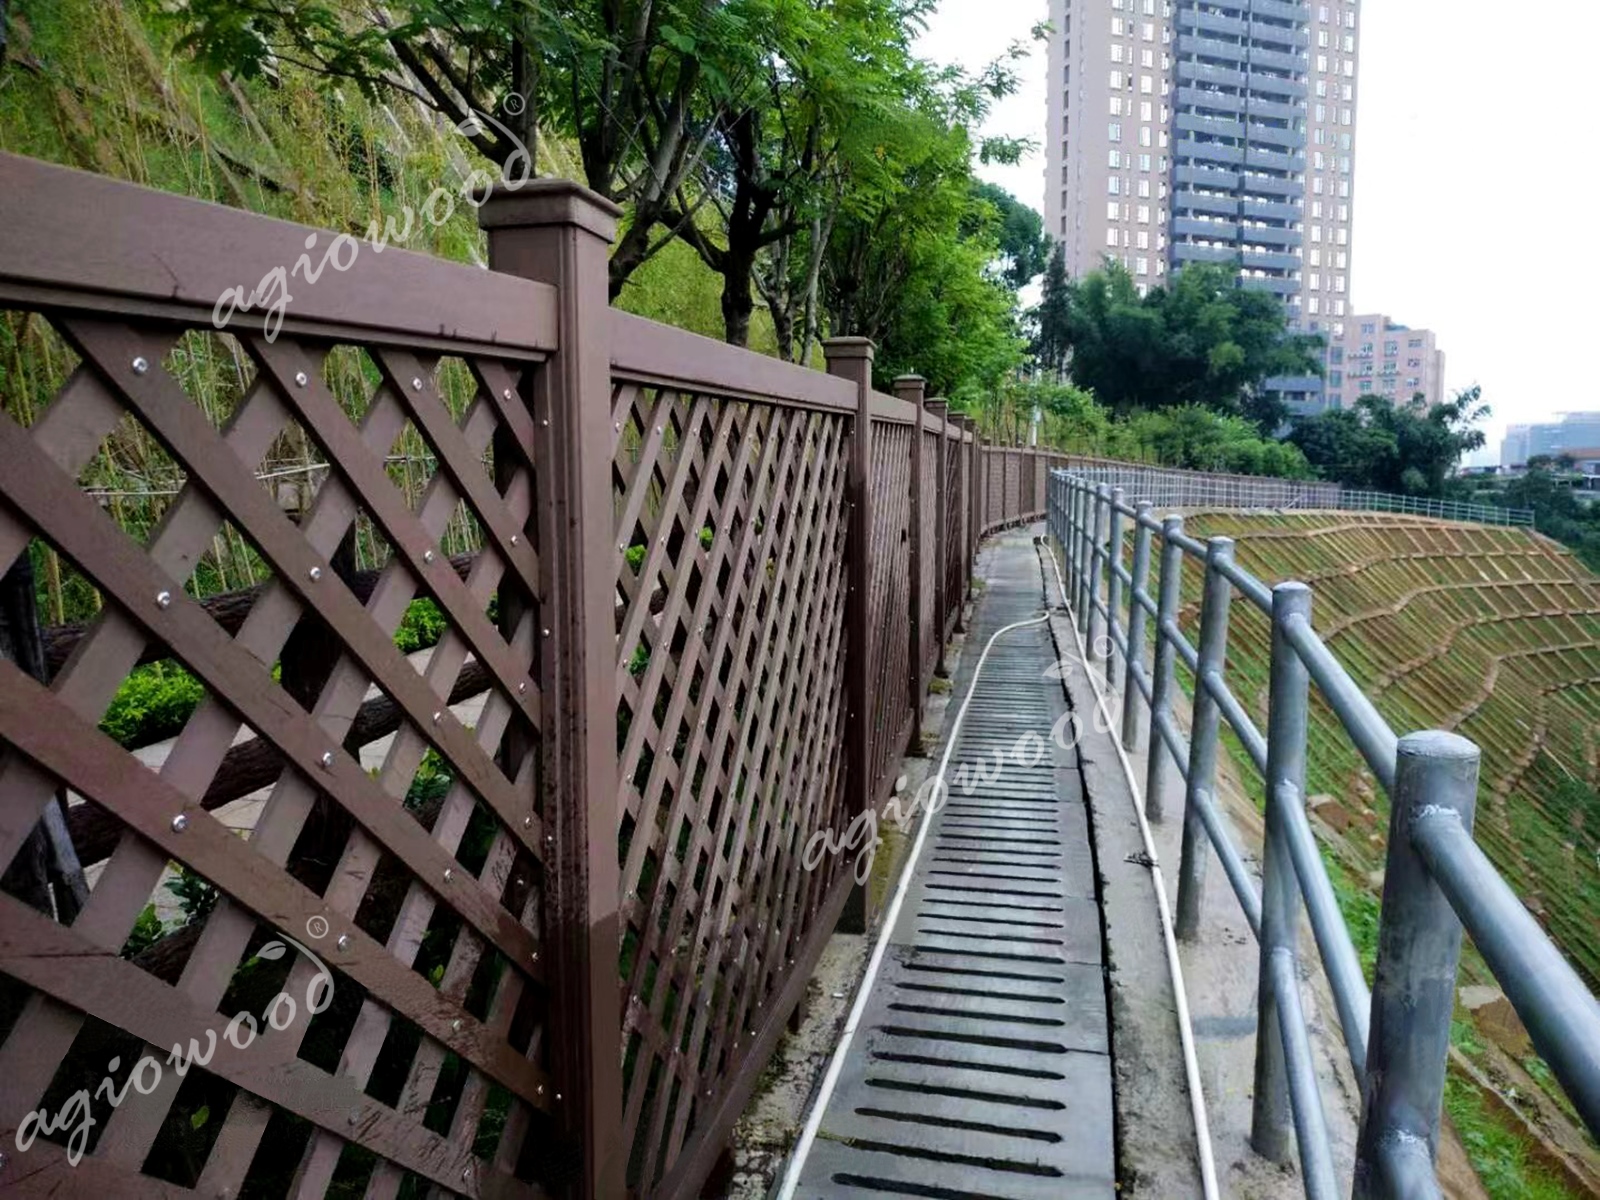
[1475, 181]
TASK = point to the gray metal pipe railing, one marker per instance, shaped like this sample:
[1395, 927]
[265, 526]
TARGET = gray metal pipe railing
[1171, 487]
[1436, 882]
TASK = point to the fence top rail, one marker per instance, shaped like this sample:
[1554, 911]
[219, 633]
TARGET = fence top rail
[169, 257]
[648, 352]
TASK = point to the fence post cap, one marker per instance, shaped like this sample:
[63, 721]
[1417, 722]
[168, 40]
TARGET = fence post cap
[836, 348]
[1219, 547]
[550, 201]
[910, 380]
[1172, 523]
[1438, 744]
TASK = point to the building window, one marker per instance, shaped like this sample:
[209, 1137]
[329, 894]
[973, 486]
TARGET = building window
[1116, 106]
[1144, 135]
[1111, 237]
[1113, 210]
[1141, 265]
[1114, 158]
[1114, 185]
[1144, 214]
[1313, 306]
[1114, 131]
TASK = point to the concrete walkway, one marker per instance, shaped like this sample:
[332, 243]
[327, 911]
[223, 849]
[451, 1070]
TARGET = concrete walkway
[982, 1065]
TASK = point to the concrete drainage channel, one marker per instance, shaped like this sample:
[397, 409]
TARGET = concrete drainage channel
[980, 1067]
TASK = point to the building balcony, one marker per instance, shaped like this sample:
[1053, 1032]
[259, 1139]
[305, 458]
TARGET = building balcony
[1210, 22]
[1258, 106]
[1270, 260]
[1183, 252]
[1277, 87]
[1224, 52]
[1266, 210]
[1275, 235]
[1283, 10]
[1271, 160]
[1270, 35]
[1195, 150]
[1214, 231]
[1206, 73]
[1271, 283]
[1211, 99]
[1277, 135]
[1202, 175]
[1273, 60]
[1272, 185]
[1224, 127]
[1184, 200]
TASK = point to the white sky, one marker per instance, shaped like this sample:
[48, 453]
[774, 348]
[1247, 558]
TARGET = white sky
[1475, 181]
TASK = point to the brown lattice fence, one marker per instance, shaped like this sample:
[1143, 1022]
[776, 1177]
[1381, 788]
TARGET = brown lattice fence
[534, 884]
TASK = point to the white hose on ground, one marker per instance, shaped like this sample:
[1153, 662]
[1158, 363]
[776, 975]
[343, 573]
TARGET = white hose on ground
[808, 1135]
[1191, 1063]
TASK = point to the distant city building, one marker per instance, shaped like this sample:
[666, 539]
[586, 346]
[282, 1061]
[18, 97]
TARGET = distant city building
[1380, 357]
[1576, 435]
[1208, 131]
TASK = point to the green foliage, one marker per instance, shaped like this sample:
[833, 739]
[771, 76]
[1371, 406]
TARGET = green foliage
[1200, 340]
[1557, 512]
[422, 626]
[1498, 1155]
[1025, 249]
[153, 703]
[431, 782]
[195, 896]
[1192, 437]
[1380, 446]
[146, 933]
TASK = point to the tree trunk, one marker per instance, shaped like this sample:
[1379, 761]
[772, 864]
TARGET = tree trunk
[738, 298]
[45, 874]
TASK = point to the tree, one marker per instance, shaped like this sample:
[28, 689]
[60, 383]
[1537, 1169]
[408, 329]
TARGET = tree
[639, 85]
[1201, 340]
[1024, 247]
[1409, 449]
[1053, 317]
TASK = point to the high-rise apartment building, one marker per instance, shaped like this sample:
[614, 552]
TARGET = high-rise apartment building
[1375, 356]
[1208, 130]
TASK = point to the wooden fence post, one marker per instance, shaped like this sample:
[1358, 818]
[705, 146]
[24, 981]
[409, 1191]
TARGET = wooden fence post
[939, 409]
[910, 388]
[964, 447]
[556, 232]
[851, 358]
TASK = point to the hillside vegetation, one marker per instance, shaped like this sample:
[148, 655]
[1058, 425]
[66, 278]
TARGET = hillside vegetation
[1491, 632]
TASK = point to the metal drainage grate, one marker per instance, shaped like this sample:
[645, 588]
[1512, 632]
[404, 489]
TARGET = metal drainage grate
[981, 1069]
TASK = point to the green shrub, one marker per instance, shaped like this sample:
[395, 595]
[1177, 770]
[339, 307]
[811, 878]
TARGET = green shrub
[153, 703]
[422, 627]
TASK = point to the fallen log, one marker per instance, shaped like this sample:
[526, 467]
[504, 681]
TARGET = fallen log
[228, 609]
[256, 764]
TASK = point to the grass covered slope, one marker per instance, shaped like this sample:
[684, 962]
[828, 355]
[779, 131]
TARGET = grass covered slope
[1493, 633]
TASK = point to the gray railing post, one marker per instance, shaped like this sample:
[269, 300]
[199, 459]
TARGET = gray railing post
[1131, 696]
[1085, 505]
[1162, 681]
[1288, 699]
[1216, 596]
[1113, 584]
[1413, 994]
[1096, 546]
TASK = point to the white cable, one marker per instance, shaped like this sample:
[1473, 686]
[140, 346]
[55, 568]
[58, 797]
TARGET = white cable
[1191, 1063]
[808, 1135]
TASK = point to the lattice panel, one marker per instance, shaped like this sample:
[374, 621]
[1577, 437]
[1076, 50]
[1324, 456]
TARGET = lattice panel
[730, 582]
[890, 605]
[928, 634]
[995, 463]
[955, 509]
[376, 810]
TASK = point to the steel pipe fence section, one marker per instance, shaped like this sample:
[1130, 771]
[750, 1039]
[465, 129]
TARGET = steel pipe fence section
[1215, 598]
[1172, 487]
[1437, 880]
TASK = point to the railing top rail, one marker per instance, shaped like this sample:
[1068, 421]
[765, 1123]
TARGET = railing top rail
[170, 257]
[646, 351]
